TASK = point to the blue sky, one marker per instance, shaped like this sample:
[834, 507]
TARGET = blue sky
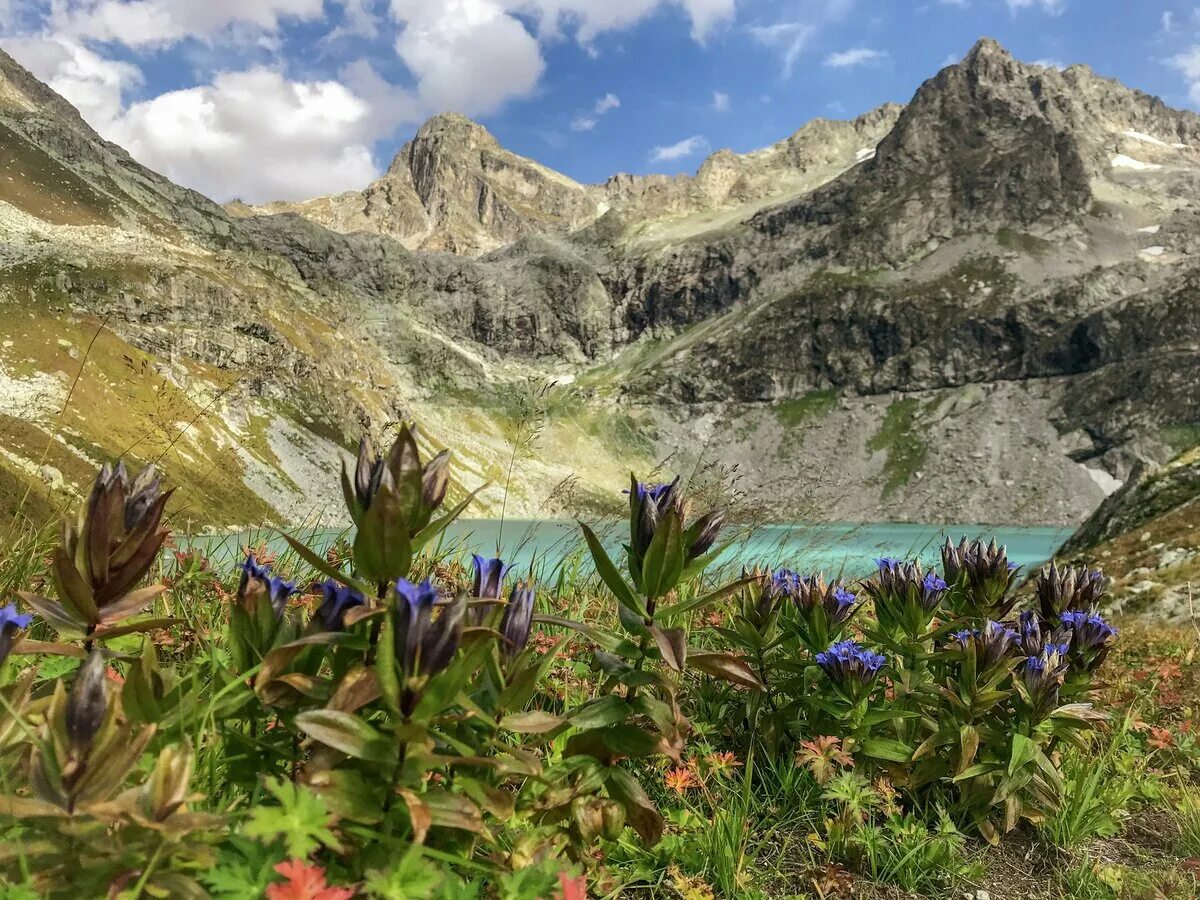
[268, 99]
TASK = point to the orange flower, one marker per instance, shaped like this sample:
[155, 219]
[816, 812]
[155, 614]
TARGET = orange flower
[821, 755]
[680, 780]
[1160, 738]
[304, 882]
[722, 761]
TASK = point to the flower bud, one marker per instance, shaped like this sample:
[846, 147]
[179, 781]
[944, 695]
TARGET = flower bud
[1069, 589]
[517, 620]
[338, 598]
[257, 581]
[87, 703]
[11, 622]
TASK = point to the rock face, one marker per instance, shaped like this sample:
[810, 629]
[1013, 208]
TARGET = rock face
[977, 307]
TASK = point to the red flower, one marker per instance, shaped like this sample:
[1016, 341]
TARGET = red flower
[680, 780]
[304, 882]
[572, 888]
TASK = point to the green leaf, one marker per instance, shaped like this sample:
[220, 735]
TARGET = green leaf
[672, 646]
[610, 575]
[1023, 751]
[601, 713]
[347, 733]
[437, 526]
[301, 819]
[640, 811]
[663, 562]
[682, 608]
[886, 748]
[382, 547]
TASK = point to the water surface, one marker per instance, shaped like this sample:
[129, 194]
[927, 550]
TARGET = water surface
[546, 546]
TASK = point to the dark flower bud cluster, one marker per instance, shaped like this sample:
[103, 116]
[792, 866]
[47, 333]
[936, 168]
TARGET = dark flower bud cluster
[984, 574]
[1069, 589]
[992, 643]
[375, 472]
[487, 584]
[1041, 679]
[1034, 638]
[651, 508]
[337, 600]
[87, 704]
[258, 582]
[905, 595]
[833, 599]
[851, 667]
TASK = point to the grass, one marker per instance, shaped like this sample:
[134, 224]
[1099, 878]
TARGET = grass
[813, 405]
[900, 439]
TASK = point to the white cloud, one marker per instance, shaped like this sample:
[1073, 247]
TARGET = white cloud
[720, 101]
[137, 23]
[91, 83]
[607, 102]
[1050, 7]
[1168, 22]
[679, 150]
[591, 18]
[583, 123]
[789, 38]
[858, 56]
[1188, 64]
[466, 55]
[254, 135]
[1050, 64]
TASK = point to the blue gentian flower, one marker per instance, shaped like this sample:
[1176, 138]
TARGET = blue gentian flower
[338, 599]
[964, 636]
[258, 579]
[994, 642]
[11, 622]
[1069, 589]
[1091, 637]
[887, 562]
[851, 667]
[489, 577]
[933, 584]
[425, 645]
[1042, 676]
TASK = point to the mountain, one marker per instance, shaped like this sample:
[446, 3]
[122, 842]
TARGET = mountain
[977, 307]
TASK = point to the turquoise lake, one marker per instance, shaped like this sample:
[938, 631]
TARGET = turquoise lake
[845, 549]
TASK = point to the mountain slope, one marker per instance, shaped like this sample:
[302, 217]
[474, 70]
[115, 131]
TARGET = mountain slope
[986, 318]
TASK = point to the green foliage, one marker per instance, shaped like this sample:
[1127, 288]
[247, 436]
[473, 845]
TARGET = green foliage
[900, 438]
[301, 820]
[813, 405]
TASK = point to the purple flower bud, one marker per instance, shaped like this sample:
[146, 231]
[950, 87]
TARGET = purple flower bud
[851, 667]
[517, 620]
[87, 704]
[1068, 589]
[1091, 637]
[425, 645]
[338, 599]
[489, 577]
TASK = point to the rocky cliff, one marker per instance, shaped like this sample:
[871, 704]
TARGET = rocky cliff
[977, 307]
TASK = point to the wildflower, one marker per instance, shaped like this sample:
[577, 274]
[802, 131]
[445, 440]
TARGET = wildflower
[823, 756]
[722, 761]
[488, 584]
[257, 582]
[411, 488]
[425, 645]
[1091, 637]
[649, 506]
[822, 610]
[681, 780]
[517, 619]
[985, 573]
[1069, 589]
[886, 563]
[338, 599]
[993, 643]
[87, 704]
[1041, 678]
[11, 622]
[1160, 738]
[489, 577]
[112, 549]
[906, 598]
[852, 668]
[572, 888]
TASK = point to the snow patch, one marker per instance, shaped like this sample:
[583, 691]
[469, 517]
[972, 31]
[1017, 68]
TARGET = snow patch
[1153, 251]
[1104, 481]
[1149, 229]
[1121, 161]
[863, 154]
[1142, 136]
